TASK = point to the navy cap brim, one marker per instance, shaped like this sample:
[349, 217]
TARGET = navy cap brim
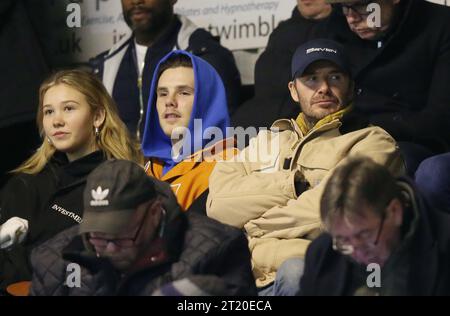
[337, 61]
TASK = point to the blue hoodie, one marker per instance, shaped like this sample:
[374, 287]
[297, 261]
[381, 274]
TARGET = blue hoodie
[210, 105]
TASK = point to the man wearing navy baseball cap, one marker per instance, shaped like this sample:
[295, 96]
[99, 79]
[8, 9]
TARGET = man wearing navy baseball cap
[276, 199]
[320, 49]
[321, 80]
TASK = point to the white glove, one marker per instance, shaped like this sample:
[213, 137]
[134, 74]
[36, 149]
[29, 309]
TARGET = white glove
[13, 231]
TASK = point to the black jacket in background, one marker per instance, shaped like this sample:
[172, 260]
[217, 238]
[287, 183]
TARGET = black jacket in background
[272, 99]
[327, 272]
[404, 86]
[213, 256]
[22, 64]
[22, 69]
[51, 201]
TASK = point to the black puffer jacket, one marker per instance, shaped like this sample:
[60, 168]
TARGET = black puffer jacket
[403, 86]
[213, 256]
[51, 201]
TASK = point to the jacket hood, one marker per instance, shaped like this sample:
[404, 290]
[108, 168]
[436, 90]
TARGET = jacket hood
[69, 174]
[210, 105]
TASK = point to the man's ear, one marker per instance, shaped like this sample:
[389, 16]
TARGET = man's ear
[99, 117]
[293, 90]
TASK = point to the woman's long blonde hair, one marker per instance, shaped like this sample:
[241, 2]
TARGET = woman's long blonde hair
[113, 138]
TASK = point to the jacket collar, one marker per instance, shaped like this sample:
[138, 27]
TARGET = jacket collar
[74, 172]
[303, 124]
[221, 150]
[174, 27]
[423, 241]
[330, 122]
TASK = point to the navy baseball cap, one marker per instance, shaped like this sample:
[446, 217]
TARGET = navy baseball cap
[319, 49]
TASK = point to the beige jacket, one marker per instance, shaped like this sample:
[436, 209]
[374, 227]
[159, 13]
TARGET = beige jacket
[257, 192]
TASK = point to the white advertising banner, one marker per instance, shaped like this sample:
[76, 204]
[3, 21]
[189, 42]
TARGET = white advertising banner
[240, 24]
[443, 2]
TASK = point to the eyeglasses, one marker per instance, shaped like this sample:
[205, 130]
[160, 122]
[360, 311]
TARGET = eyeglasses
[346, 248]
[118, 242]
[359, 8]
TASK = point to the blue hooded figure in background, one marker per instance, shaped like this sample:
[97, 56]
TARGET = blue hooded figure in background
[172, 158]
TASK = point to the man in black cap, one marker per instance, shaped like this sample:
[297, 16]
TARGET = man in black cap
[273, 191]
[135, 240]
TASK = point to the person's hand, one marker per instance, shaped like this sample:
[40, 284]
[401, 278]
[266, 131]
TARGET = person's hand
[13, 231]
[300, 183]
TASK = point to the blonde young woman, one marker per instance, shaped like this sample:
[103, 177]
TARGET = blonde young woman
[80, 128]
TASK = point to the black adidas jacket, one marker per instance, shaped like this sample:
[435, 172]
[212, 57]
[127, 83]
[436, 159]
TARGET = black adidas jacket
[51, 201]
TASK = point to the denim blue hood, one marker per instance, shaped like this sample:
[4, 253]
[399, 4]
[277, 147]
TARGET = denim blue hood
[210, 105]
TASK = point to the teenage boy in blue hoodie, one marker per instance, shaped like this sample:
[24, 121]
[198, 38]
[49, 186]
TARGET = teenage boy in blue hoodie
[186, 126]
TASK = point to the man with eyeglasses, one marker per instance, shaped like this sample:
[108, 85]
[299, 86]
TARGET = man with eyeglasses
[135, 240]
[357, 15]
[382, 238]
[400, 54]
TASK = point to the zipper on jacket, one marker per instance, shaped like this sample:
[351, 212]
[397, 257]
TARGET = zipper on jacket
[299, 144]
[139, 85]
[141, 108]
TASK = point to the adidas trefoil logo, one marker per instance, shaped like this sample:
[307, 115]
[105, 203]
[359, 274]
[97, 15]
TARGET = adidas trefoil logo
[99, 197]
